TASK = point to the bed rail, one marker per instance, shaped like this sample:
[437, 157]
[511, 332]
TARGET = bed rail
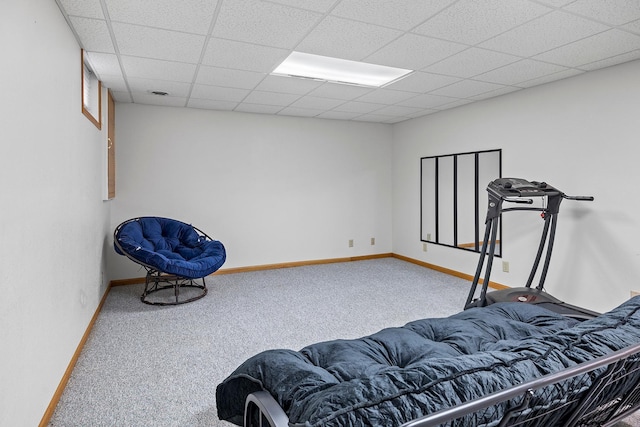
[261, 409]
[613, 394]
[600, 392]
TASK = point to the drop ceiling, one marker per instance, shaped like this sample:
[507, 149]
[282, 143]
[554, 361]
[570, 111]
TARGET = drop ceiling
[218, 54]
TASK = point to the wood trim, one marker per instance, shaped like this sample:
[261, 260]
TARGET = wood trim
[138, 280]
[448, 271]
[494, 285]
[299, 264]
[473, 245]
[96, 121]
[111, 146]
[46, 418]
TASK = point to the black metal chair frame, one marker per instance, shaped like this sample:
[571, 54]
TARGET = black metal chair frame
[156, 280]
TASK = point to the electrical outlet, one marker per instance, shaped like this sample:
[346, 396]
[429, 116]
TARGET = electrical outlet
[373, 241]
[350, 243]
[505, 266]
[424, 247]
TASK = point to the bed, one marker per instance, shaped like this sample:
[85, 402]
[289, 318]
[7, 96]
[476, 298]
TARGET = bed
[505, 364]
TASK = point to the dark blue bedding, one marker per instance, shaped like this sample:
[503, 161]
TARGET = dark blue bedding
[170, 246]
[400, 374]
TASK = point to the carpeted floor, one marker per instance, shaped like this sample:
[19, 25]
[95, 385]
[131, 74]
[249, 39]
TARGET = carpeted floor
[159, 366]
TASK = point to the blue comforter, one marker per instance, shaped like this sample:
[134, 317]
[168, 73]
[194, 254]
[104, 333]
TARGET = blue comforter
[400, 374]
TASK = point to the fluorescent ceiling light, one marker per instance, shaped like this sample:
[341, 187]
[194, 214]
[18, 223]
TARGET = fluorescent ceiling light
[336, 70]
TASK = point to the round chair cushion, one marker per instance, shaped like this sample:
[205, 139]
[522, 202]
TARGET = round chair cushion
[169, 246]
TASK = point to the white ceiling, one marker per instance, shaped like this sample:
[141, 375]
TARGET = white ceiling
[217, 54]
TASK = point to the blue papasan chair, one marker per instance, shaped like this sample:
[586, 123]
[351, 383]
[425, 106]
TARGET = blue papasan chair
[175, 254]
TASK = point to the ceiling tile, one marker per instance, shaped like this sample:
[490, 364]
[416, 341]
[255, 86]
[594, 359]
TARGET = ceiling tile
[258, 108]
[121, 96]
[421, 82]
[608, 44]
[398, 110]
[633, 26]
[107, 63]
[314, 102]
[471, 62]
[359, 107]
[457, 103]
[376, 118]
[149, 42]
[466, 89]
[211, 105]
[288, 85]
[168, 101]
[386, 96]
[492, 93]
[216, 93]
[86, 8]
[480, 20]
[545, 33]
[114, 83]
[218, 54]
[423, 112]
[271, 98]
[229, 78]
[556, 3]
[192, 16]
[395, 120]
[427, 101]
[158, 69]
[338, 115]
[315, 5]
[400, 14]
[94, 34]
[520, 71]
[346, 39]
[414, 52]
[340, 91]
[569, 72]
[243, 56]
[614, 60]
[614, 12]
[300, 112]
[174, 89]
[263, 23]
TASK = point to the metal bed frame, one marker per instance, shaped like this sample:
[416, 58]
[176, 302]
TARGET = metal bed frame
[558, 399]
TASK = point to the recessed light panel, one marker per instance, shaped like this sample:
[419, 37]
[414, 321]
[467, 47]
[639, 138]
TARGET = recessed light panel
[336, 70]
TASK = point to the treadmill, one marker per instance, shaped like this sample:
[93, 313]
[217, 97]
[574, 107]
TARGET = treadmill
[521, 193]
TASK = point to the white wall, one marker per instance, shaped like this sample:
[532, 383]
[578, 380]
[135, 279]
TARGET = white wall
[273, 189]
[53, 222]
[580, 135]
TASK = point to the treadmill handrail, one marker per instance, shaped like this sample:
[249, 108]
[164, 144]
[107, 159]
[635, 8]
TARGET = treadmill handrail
[517, 190]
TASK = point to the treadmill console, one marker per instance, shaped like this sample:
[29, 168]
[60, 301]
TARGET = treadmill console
[518, 187]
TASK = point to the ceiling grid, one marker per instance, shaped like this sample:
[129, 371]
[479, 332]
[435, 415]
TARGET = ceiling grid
[218, 54]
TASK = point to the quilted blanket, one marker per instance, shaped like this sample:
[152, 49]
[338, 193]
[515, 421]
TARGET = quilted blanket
[400, 374]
